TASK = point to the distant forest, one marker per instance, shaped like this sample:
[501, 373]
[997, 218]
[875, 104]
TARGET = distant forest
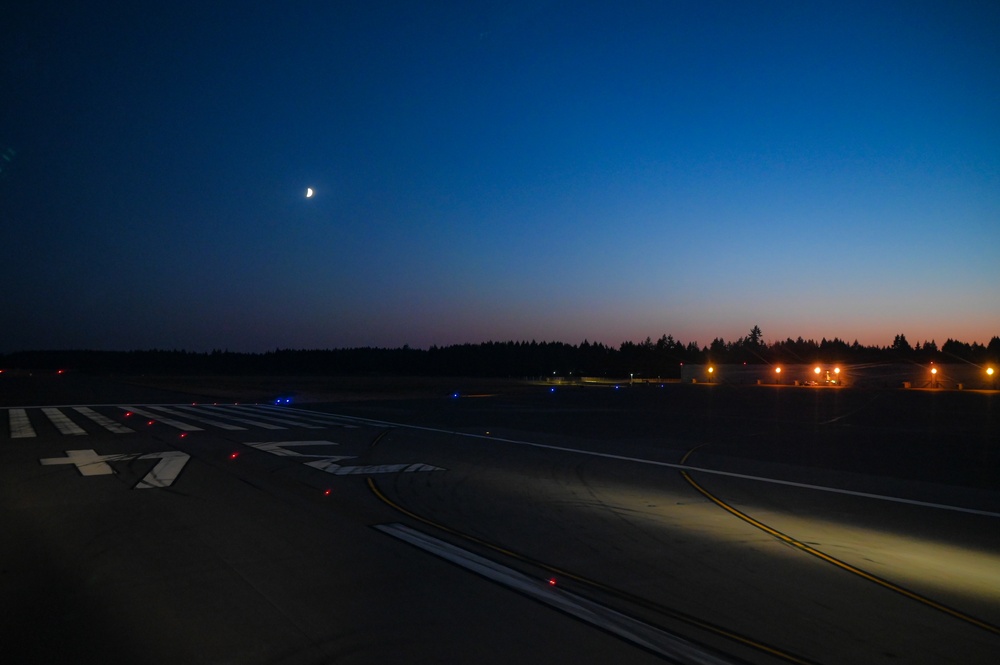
[661, 358]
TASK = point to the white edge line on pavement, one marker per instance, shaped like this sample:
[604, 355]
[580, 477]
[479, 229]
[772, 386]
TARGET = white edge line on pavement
[642, 634]
[685, 467]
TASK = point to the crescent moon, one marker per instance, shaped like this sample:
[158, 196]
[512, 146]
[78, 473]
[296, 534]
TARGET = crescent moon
[309, 192]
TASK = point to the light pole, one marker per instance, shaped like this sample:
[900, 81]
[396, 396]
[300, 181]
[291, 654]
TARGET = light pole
[777, 375]
[934, 376]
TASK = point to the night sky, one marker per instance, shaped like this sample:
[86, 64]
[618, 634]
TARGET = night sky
[556, 171]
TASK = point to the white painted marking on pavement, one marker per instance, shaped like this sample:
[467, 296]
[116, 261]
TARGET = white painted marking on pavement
[245, 421]
[259, 413]
[62, 422]
[278, 448]
[628, 628]
[160, 419]
[314, 416]
[102, 420]
[20, 426]
[328, 463]
[337, 470]
[89, 463]
[166, 470]
[200, 419]
[685, 467]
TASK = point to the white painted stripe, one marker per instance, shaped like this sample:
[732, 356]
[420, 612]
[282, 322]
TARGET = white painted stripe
[379, 423]
[685, 467]
[837, 490]
[160, 419]
[329, 466]
[220, 411]
[63, 423]
[259, 413]
[313, 416]
[102, 420]
[20, 426]
[165, 471]
[281, 449]
[200, 419]
[628, 628]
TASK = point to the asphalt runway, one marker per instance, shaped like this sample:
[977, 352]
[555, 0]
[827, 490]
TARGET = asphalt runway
[641, 524]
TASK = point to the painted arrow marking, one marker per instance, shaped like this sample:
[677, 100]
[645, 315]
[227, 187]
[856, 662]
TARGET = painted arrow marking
[89, 463]
[328, 463]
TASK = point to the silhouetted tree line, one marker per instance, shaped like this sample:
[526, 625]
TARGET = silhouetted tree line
[647, 359]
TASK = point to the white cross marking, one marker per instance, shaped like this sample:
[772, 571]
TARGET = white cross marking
[89, 463]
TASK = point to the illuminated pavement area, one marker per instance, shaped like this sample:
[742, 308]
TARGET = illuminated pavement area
[644, 524]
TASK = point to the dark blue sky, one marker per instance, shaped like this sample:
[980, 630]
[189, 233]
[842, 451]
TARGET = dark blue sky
[497, 170]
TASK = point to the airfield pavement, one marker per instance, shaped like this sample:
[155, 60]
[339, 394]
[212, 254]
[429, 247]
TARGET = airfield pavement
[154, 519]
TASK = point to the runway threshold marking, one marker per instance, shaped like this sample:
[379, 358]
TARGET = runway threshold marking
[843, 565]
[259, 413]
[651, 638]
[313, 416]
[201, 419]
[20, 426]
[160, 419]
[610, 591]
[103, 421]
[220, 410]
[686, 467]
[62, 422]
